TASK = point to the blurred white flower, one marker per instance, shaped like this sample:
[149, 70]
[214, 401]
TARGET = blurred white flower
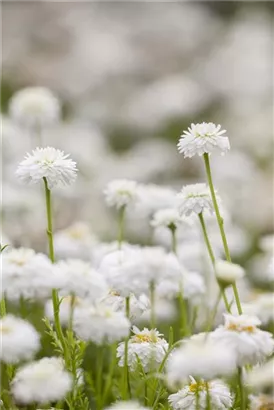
[67, 308]
[81, 279]
[34, 107]
[121, 192]
[49, 163]
[164, 310]
[203, 138]
[138, 305]
[267, 243]
[41, 382]
[28, 274]
[195, 198]
[126, 405]
[76, 241]
[185, 399]
[202, 358]
[261, 402]
[100, 324]
[153, 198]
[19, 340]
[169, 218]
[261, 377]
[147, 345]
[227, 272]
[251, 345]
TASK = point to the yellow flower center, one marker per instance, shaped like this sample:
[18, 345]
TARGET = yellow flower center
[240, 328]
[114, 293]
[5, 329]
[197, 386]
[145, 338]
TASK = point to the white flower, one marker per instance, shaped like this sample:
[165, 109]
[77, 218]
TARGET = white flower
[168, 217]
[203, 138]
[227, 272]
[41, 382]
[121, 192]
[261, 377]
[262, 307]
[100, 324]
[81, 279]
[147, 345]
[138, 305]
[28, 274]
[126, 405]
[250, 344]
[49, 163]
[76, 241]
[164, 310]
[195, 199]
[19, 340]
[153, 198]
[267, 243]
[68, 306]
[201, 358]
[262, 402]
[34, 107]
[185, 399]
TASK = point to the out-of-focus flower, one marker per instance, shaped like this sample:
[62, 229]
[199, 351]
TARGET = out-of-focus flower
[76, 241]
[228, 273]
[267, 243]
[138, 305]
[203, 138]
[49, 163]
[186, 398]
[201, 358]
[153, 197]
[121, 192]
[261, 402]
[147, 345]
[261, 377]
[67, 308]
[100, 324]
[41, 382]
[126, 405]
[19, 340]
[34, 107]
[28, 274]
[251, 345]
[195, 198]
[168, 218]
[81, 279]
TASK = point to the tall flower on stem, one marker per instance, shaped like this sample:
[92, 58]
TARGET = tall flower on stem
[54, 168]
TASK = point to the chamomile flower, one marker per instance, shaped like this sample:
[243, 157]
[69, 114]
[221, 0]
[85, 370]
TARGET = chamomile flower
[227, 272]
[251, 345]
[43, 381]
[19, 340]
[194, 199]
[203, 138]
[126, 405]
[49, 163]
[168, 218]
[201, 358]
[100, 324]
[147, 345]
[185, 399]
[121, 192]
[34, 107]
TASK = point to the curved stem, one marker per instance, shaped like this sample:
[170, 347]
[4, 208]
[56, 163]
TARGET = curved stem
[221, 225]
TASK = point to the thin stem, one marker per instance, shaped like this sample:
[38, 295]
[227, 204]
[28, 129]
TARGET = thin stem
[126, 385]
[110, 374]
[212, 257]
[152, 305]
[3, 306]
[55, 297]
[241, 389]
[99, 376]
[173, 238]
[221, 225]
[121, 226]
[208, 400]
[214, 313]
[184, 331]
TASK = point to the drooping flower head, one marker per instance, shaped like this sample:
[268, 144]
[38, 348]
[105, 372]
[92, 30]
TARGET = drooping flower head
[203, 138]
[34, 107]
[49, 163]
[195, 199]
[185, 399]
[121, 192]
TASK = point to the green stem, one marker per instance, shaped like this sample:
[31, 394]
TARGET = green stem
[121, 226]
[214, 313]
[3, 306]
[99, 376]
[241, 389]
[110, 374]
[126, 385]
[55, 296]
[152, 305]
[212, 257]
[184, 331]
[208, 400]
[221, 225]
[173, 238]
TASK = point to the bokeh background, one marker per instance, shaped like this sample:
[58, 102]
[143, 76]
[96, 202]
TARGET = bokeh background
[131, 76]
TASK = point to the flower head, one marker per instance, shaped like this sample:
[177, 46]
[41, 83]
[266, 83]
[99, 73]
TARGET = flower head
[41, 382]
[241, 333]
[203, 138]
[49, 163]
[34, 107]
[19, 340]
[185, 399]
[121, 192]
[168, 217]
[147, 345]
[227, 272]
[195, 198]
[261, 377]
[126, 405]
